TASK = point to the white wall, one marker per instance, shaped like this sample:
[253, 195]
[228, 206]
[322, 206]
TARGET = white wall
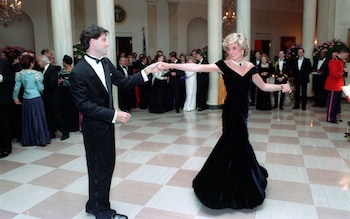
[271, 19]
[342, 20]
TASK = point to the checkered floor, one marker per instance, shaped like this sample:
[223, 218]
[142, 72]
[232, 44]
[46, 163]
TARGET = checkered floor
[158, 155]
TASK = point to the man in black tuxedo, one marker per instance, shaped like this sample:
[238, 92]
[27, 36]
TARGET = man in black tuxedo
[320, 69]
[281, 77]
[52, 98]
[125, 96]
[202, 83]
[7, 82]
[91, 86]
[175, 86]
[256, 61]
[301, 70]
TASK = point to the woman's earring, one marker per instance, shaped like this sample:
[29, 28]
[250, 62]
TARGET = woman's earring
[242, 52]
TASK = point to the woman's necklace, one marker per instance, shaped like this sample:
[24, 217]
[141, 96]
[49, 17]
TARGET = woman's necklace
[240, 64]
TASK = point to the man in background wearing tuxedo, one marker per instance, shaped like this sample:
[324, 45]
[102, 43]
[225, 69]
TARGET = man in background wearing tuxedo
[281, 77]
[301, 70]
[202, 83]
[175, 86]
[125, 96]
[320, 73]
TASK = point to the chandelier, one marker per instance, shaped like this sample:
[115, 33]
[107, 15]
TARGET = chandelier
[10, 10]
[229, 18]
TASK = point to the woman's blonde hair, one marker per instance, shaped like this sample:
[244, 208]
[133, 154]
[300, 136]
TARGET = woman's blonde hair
[190, 57]
[238, 38]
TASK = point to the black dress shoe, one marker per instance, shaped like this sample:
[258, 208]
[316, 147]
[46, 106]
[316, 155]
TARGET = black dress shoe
[119, 216]
[4, 154]
[281, 108]
[65, 136]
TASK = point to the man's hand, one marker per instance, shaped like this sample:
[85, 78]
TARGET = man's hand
[123, 117]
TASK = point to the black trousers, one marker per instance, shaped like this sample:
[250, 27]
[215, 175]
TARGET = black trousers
[303, 98]
[6, 120]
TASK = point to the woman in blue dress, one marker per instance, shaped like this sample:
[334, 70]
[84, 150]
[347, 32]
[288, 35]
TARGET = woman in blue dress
[231, 177]
[34, 126]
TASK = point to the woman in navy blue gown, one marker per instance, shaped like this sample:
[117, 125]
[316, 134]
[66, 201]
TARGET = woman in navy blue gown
[231, 177]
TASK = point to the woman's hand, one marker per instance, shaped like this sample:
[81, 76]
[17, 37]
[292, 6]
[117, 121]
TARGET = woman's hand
[286, 88]
[16, 101]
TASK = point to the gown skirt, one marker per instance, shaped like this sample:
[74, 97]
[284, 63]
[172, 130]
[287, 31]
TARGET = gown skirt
[35, 130]
[231, 176]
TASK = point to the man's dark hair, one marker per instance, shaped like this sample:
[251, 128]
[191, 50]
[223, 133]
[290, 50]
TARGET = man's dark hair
[91, 32]
[45, 50]
[200, 52]
[173, 54]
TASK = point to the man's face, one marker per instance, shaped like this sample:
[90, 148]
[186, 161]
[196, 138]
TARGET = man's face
[100, 45]
[281, 54]
[198, 57]
[123, 61]
[258, 55]
[300, 53]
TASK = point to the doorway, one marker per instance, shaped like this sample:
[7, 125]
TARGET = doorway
[263, 45]
[123, 45]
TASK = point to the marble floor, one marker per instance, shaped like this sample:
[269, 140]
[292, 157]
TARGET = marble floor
[158, 155]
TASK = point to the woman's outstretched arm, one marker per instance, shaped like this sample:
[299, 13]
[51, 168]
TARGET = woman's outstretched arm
[190, 67]
[285, 88]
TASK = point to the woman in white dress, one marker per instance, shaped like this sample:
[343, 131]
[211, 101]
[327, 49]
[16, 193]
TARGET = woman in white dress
[191, 87]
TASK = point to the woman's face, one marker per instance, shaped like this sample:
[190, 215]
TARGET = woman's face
[160, 58]
[263, 59]
[234, 51]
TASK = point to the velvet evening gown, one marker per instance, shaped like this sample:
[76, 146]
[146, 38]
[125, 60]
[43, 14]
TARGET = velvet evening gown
[231, 177]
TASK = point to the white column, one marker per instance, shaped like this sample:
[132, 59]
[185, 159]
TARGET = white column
[244, 20]
[105, 19]
[325, 20]
[308, 33]
[173, 23]
[309, 27]
[214, 47]
[152, 26]
[62, 29]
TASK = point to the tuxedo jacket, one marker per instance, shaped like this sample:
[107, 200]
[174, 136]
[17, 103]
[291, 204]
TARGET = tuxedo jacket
[51, 92]
[91, 97]
[203, 77]
[302, 75]
[284, 73]
[6, 86]
[323, 68]
[175, 81]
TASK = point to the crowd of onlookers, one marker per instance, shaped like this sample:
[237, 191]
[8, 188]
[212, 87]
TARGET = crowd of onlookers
[327, 74]
[35, 100]
[167, 90]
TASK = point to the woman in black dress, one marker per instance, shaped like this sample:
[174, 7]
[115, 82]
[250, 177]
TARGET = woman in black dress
[231, 177]
[265, 69]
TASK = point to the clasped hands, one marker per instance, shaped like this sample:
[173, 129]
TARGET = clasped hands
[156, 67]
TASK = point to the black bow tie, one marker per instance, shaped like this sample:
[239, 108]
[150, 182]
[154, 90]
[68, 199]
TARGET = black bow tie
[96, 59]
